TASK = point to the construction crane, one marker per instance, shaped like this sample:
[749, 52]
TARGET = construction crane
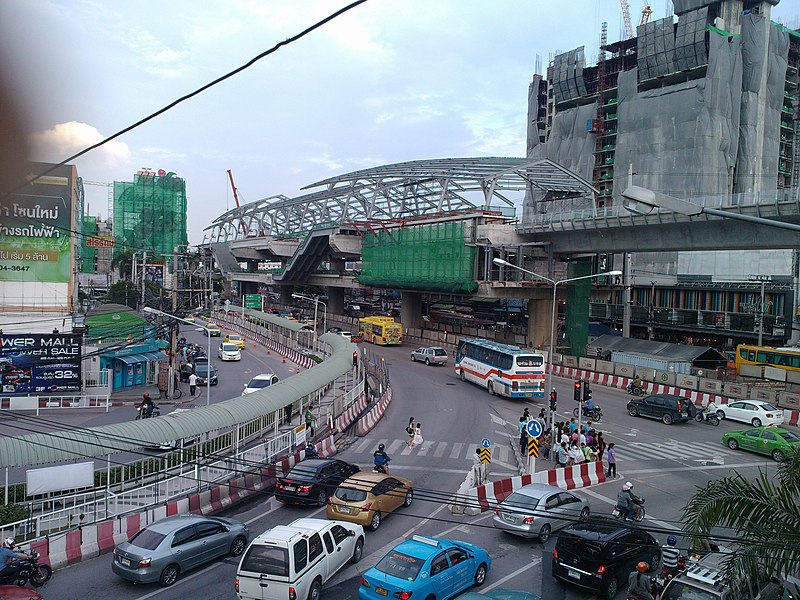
[236, 199]
[647, 15]
[626, 18]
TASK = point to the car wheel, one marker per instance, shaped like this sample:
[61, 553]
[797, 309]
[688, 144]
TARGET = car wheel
[322, 498]
[733, 444]
[480, 574]
[375, 521]
[633, 411]
[544, 533]
[316, 589]
[778, 455]
[490, 388]
[611, 588]
[655, 561]
[584, 513]
[413, 359]
[756, 422]
[721, 414]
[666, 418]
[358, 551]
[169, 575]
[238, 546]
[409, 498]
[428, 362]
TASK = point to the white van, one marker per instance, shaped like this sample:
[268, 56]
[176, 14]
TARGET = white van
[295, 560]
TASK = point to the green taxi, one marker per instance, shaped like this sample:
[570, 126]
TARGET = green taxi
[213, 330]
[772, 441]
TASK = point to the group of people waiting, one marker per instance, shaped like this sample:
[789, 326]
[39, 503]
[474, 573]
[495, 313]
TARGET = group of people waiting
[574, 447]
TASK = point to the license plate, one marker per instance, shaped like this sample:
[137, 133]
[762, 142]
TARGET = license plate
[344, 509]
[290, 488]
[529, 395]
[684, 414]
[573, 574]
[382, 591]
[125, 562]
[511, 519]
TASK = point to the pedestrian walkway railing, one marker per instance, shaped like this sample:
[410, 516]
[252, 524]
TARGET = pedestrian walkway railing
[43, 403]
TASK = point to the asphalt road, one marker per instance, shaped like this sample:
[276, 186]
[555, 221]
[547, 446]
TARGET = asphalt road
[665, 463]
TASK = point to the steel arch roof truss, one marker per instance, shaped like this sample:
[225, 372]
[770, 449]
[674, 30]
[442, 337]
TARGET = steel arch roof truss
[402, 190]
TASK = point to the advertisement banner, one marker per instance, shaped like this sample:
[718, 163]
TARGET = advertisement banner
[36, 363]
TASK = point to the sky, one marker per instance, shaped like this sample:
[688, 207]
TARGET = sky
[389, 81]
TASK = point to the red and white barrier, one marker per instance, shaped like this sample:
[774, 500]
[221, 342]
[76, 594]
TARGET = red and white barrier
[368, 421]
[344, 420]
[487, 497]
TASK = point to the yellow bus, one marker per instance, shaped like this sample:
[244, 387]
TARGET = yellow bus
[383, 331]
[783, 358]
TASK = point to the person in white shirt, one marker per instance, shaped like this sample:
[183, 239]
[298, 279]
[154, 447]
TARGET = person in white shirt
[192, 384]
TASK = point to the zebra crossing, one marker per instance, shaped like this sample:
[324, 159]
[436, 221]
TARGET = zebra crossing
[671, 450]
[440, 450]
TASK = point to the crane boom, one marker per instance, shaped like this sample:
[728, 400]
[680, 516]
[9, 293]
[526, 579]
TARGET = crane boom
[626, 18]
[233, 187]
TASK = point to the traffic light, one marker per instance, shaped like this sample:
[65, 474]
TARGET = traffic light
[588, 396]
[586, 391]
[578, 391]
[553, 400]
[355, 358]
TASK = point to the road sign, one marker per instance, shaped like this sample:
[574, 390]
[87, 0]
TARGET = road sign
[534, 428]
[533, 447]
[485, 443]
[486, 455]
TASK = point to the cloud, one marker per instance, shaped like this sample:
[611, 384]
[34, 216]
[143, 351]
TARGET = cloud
[65, 139]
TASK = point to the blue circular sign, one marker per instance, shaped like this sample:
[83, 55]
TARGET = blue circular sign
[485, 443]
[534, 428]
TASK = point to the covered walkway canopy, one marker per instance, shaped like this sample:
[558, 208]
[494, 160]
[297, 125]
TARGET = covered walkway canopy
[402, 190]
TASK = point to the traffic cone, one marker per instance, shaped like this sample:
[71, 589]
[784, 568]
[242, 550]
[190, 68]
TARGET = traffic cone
[284, 359]
[254, 343]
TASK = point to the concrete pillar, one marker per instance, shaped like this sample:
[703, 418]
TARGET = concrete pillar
[540, 309]
[335, 301]
[411, 308]
[337, 265]
[286, 294]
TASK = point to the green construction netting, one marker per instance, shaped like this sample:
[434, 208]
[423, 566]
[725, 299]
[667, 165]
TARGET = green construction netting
[150, 213]
[116, 325]
[88, 253]
[430, 257]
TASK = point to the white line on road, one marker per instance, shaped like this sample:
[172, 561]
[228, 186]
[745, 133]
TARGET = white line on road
[533, 563]
[700, 468]
[182, 580]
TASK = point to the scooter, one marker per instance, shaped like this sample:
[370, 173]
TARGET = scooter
[384, 468]
[666, 574]
[638, 514]
[141, 413]
[710, 418]
[28, 570]
[634, 390]
[595, 414]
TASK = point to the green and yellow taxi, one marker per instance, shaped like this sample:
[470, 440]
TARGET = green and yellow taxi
[213, 330]
[772, 441]
[235, 338]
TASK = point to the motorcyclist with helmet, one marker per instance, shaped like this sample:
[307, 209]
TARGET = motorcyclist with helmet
[381, 459]
[627, 501]
[311, 451]
[146, 406]
[640, 586]
[8, 554]
[669, 556]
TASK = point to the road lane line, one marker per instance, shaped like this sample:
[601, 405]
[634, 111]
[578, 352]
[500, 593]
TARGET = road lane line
[454, 453]
[182, 580]
[533, 563]
[440, 448]
[394, 446]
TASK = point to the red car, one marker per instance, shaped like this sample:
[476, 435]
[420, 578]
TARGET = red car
[15, 592]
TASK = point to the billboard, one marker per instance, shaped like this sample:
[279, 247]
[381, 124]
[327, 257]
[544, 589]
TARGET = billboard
[36, 253]
[40, 363]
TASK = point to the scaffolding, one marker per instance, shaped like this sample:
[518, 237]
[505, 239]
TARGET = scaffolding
[150, 213]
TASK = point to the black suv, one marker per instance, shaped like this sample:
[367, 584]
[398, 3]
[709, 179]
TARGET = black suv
[667, 407]
[599, 555]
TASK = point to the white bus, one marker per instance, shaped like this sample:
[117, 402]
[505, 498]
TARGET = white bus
[502, 369]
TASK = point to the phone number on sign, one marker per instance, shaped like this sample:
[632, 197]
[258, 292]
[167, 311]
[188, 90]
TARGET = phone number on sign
[14, 268]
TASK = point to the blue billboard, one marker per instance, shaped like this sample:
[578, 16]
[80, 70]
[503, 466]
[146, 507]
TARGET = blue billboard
[36, 363]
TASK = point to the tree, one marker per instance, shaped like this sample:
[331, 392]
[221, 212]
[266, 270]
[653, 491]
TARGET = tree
[122, 292]
[764, 513]
[122, 262]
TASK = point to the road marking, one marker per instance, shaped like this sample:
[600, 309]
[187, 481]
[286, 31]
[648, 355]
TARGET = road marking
[440, 450]
[394, 446]
[362, 445]
[454, 453]
[182, 580]
[424, 448]
[702, 468]
[533, 563]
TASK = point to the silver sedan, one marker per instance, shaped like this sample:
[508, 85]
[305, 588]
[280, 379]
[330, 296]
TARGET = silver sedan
[537, 509]
[164, 550]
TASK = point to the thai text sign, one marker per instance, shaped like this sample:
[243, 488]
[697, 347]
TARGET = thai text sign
[32, 363]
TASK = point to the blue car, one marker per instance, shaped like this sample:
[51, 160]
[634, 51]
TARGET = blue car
[423, 567]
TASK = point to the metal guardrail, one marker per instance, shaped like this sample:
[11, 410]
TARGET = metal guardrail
[40, 403]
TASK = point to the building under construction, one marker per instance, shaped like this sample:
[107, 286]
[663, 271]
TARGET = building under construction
[701, 103]
[150, 213]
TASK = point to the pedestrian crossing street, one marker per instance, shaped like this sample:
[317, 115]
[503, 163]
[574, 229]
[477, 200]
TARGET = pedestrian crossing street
[460, 451]
[672, 450]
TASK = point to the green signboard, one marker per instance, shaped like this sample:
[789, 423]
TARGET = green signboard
[252, 301]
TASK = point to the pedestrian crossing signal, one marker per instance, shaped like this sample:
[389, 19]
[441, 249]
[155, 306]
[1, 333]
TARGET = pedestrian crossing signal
[577, 391]
[533, 447]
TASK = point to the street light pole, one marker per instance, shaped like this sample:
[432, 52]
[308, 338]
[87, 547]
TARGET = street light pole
[208, 335]
[316, 302]
[553, 322]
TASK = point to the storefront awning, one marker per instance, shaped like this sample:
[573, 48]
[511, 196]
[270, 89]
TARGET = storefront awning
[155, 356]
[132, 359]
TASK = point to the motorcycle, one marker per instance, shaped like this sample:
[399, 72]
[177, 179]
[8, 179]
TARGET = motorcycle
[595, 414]
[638, 514]
[28, 570]
[710, 418]
[666, 574]
[141, 413]
[382, 468]
[634, 390]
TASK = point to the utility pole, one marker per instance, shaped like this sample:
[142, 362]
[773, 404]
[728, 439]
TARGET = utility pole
[144, 272]
[652, 315]
[174, 328]
[627, 297]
